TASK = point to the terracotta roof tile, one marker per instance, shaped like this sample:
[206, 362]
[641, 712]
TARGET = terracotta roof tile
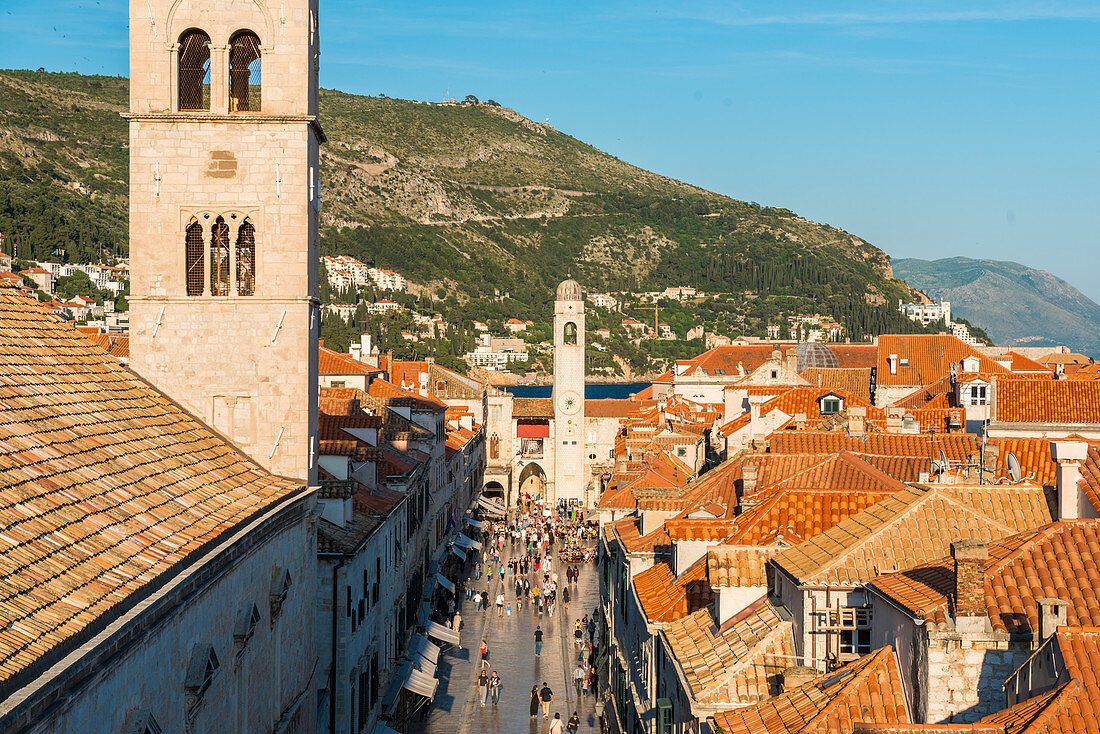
[737, 666]
[868, 689]
[914, 526]
[1059, 560]
[854, 380]
[533, 408]
[666, 597]
[958, 447]
[105, 485]
[930, 358]
[335, 363]
[738, 566]
[1049, 401]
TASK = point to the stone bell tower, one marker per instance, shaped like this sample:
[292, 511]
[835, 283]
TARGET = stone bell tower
[568, 392]
[224, 209]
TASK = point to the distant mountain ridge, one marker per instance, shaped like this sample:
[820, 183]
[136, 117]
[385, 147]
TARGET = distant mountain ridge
[1015, 304]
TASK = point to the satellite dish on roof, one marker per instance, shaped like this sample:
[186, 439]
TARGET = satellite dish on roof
[1014, 472]
[943, 460]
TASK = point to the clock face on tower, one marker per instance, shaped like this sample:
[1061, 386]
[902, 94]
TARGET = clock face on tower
[569, 402]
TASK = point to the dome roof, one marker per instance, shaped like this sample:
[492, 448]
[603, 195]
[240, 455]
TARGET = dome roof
[815, 354]
[570, 290]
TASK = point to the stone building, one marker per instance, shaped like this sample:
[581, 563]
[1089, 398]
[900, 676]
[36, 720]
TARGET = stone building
[154, 574]
[569, 449]
[224, 206]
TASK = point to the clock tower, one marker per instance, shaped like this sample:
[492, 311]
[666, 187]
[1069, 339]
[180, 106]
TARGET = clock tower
[568, 392]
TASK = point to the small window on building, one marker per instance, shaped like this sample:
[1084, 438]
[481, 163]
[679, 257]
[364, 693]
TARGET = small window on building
[681, 451]
[141, 722]
[280, 588]
[194, 72]
[219, 259]
[719, 372]
[248, 616]
[246, 259]
[336, 383]
[195, 258]
[244, 72]
[775, 374]
[201, 670]
[831, 406]
[569, 333]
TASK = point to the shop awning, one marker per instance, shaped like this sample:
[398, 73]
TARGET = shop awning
[489, 506]
[443, 634]
[424, 654]
[458, 552]
[421, 683]
[445, 583]
[467, 542]
[476, 523]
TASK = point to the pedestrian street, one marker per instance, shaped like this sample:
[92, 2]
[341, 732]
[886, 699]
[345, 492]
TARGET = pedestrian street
[457, 707]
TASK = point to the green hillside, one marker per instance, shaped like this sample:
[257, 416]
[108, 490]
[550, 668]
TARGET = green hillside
[466, 201]
[1015, 304]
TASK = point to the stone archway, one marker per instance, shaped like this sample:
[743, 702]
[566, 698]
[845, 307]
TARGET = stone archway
[532, 481]
[494, 491]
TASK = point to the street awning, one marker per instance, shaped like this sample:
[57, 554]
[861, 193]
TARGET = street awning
[467, 542]
[458, 552]
[490, 506]
[421, 683]
[443, 634]
[424, 654]
[476, 523]
[445, 583]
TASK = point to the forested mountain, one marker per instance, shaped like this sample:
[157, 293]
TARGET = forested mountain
[1015, 304]
[468, 200]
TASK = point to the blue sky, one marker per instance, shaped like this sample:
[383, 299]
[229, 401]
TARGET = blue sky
[931, 129]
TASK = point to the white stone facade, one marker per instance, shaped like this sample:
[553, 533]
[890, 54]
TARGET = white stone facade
[569, 457]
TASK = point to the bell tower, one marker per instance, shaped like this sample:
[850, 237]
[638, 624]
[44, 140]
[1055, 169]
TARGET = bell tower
[568, 392]
[224, 148]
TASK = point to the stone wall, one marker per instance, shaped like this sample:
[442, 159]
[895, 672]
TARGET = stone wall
[966, 673]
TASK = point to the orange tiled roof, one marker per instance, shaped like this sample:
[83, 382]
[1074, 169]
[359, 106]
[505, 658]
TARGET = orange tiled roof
[610, 408]
[1047, 401]
[792, 516]
[958, 447]
[854, 380]
[666, 597]
[386, 390]
[1058, 561]
[806, 400]
[738, 665]
[626, 529]
[930, 358]
[738, 566]
[335, 363]
[106, 485]
[868, 689]
[914, 526]
[533, 408]
[117, 345]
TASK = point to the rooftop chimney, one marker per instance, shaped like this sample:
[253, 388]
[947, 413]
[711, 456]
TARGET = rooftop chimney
[798, 676]
[856, 414]
[970, 558]
[748, 480]
[893, 359]
[792, 360]
[1052, 615]
[1069, 455]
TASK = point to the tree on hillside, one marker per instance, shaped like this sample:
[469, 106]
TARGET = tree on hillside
[471, 99]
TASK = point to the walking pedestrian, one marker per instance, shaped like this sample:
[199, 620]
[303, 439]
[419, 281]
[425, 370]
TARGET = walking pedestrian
[500, 604]
[484, 654]
[578, 678]
[538, 640]
[547, 697]
[565, 595]
[495, 686]
[556, 725]
[456, 625]
[483, 687]
[477, 602]
[574, 723]
[534, 701]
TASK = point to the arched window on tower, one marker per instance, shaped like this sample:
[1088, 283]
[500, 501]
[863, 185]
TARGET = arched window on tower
[194, 257]
[569, 333]
[494, 446]
[194, 71]
[246, 259]
[219, 259]
[244, 72]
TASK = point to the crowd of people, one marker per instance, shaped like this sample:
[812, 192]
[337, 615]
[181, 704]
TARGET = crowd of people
[515, 568]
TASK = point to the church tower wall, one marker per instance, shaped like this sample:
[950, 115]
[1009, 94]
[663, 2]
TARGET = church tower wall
[224, 206]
